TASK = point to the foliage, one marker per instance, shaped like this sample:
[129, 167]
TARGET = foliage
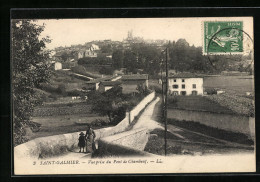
[106, 70]
[142, 56]
[102, 60]
[118, 59]
[79, 69]
[29, 69]
[61, 90]
[211, 91]
[182, 57]
[109, 103]
[99, 123]
[107, 48]
[142, 89]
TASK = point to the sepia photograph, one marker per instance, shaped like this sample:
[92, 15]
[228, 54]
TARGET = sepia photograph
[133, 95]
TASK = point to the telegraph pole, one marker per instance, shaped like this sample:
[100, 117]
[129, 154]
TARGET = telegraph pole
[165, 102]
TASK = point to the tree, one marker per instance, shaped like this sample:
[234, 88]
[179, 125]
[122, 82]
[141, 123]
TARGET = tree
[117, 58]
[29, 69]
[64, 56]
[109, 103]
[130, 60]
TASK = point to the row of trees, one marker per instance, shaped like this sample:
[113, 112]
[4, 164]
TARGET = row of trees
[182, 57]
[138, 56]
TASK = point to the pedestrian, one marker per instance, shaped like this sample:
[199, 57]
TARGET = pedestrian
[90, 139]
[82, 141]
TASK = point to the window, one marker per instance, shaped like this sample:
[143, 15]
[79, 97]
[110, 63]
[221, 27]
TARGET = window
[174, 80]
[183, 92]
[175, 86]
[193, 85]
[183, 80]
[182, 86]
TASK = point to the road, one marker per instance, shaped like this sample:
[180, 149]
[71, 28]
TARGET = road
[149, 118]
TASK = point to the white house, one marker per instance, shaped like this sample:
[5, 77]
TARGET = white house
[94, 47]
[57, 66]
[185, 84]
[107, 85]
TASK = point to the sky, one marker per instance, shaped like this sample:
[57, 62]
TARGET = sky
[67, 32]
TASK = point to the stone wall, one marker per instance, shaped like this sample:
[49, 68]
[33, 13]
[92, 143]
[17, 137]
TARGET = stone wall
[55, 145]
[234, 123]
[134, 112]
[129, 143]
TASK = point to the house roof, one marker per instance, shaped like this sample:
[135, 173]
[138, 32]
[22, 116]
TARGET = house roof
[101, 79]
[185, 75]
[110, 83]
[135, 77]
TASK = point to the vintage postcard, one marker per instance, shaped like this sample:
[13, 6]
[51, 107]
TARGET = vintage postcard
[133, 95]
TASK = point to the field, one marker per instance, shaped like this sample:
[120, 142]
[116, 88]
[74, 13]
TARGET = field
[54, 125]
[197, 103]
[235, 97]
[62, 109]
[62, 118]
[239, 84]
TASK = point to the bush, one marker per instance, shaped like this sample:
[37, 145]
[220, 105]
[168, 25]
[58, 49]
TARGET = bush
[106, 70]
[62, 90]
[211, 91]
[156, 88]
[99, 122]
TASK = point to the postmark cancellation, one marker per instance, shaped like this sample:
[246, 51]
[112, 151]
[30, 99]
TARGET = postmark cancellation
[222, 37]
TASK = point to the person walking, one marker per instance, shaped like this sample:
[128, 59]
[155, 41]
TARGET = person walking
[90, 139]
[82, 141]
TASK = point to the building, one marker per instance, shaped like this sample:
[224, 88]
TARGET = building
[130, 82]
[94, 47]
[106, 85]
[185, 84]
[81, 54]
[87, 53]
[57, 66]
[94, 84]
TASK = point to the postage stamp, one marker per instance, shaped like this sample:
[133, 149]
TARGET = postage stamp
[222, 37]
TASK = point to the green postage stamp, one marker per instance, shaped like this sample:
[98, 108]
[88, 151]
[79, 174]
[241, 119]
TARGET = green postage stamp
[222, 37]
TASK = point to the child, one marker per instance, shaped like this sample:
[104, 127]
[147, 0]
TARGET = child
[82, 141]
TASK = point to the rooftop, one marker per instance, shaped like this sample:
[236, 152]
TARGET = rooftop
[135, 77]
[108, 78]
[185, 75]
